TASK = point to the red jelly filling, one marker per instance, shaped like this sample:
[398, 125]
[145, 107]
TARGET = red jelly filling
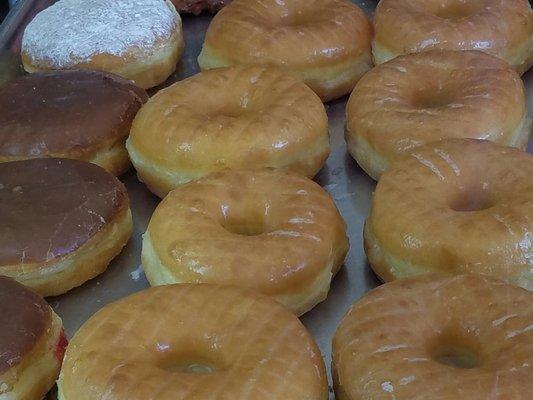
[61, 346]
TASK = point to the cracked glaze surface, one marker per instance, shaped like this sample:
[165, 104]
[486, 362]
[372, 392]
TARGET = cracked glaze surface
[385, 347]
[50, 207]
[455, 206]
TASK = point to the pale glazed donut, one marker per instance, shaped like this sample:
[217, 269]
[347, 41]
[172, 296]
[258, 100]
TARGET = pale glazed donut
[325, 43]
[456, 206]
[503, 28]
[32, 343]
[237, 118]
[274, 232]
[140, 40]
[424, 97]
[184, 342]
[437, 338]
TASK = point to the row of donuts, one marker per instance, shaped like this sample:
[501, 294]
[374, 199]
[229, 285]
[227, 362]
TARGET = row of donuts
[198, 359]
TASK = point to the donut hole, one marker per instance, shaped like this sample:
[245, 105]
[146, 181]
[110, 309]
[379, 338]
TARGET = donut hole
[471, 200]
[431, 97]
[458, 10]
[189, 367]
[245, 228]
[457, 350]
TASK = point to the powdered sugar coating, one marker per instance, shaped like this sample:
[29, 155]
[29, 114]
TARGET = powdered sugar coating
[73, 31]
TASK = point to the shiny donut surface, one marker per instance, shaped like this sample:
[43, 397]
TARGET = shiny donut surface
[274, 232]
[430, 337]
[193, 341]
[455, 206]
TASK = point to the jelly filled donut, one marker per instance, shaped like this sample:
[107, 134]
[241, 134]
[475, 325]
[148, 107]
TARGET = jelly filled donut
[197, 6]
[62, 222]
[32, 343]
[425, 97]
[453, 207]
[237, 118]
[325, 43]
[274, 232]
[503, 28]
[84, 115]
[439, 338]
[140, 40]
[184, 341]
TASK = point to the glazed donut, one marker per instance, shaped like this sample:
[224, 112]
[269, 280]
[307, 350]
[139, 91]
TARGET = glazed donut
[503, 28]
[197, 6]
[239, 117]
[63, 221]
[277, 233]
[32, 343]
[193, 341]
[439, 338]
[456, 206]
[84, 115]
[139, 40]
[324, 43]
[425, 97]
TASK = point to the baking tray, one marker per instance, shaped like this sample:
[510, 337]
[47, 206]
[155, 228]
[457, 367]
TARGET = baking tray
[349, 186]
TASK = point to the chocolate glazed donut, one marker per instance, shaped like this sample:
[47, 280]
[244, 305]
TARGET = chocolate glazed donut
[82, 114]
[32, 343]
[62, 222]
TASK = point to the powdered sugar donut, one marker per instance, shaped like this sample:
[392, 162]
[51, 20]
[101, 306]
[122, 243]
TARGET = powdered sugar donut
[140, 40]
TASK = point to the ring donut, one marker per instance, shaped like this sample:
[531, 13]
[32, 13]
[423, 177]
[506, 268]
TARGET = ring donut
[453, 207]
[179, 342]
[425, 97]
[290, 237]
[236, 118]
[140, 40]
[325, 43]
[62, 222]
[32, 343]
[503, 28]
[439, 338]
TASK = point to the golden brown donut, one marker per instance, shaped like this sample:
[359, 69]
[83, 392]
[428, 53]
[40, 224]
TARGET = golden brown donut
[237, 118]
[32, 343]
[62, 222]
[456, 206]
[79, 114]
[325, 43]
[503, 28]
[184, 342]
[140, 40]
[277, 233]
[424, 97]
[439, 338]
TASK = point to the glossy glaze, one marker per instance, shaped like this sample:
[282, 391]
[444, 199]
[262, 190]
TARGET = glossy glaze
[326, 43]
[50, 207]
[388, 344]
[148, 345]
[239, 117]
[454, 207]
[274, 232]
[419, 98]
[503, 28]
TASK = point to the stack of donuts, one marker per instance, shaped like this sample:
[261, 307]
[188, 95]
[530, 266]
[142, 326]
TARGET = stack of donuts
[243, 242]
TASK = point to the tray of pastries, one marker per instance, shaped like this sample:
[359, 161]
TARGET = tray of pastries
[266, 199]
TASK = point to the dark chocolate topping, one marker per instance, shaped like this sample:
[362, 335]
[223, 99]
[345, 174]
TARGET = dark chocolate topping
[197, 6]
[24, 318]
[49, 207]
[65, 112]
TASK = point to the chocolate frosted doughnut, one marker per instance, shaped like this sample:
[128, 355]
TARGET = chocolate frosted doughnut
[80, 114]
[32, 343]
[62, 222]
